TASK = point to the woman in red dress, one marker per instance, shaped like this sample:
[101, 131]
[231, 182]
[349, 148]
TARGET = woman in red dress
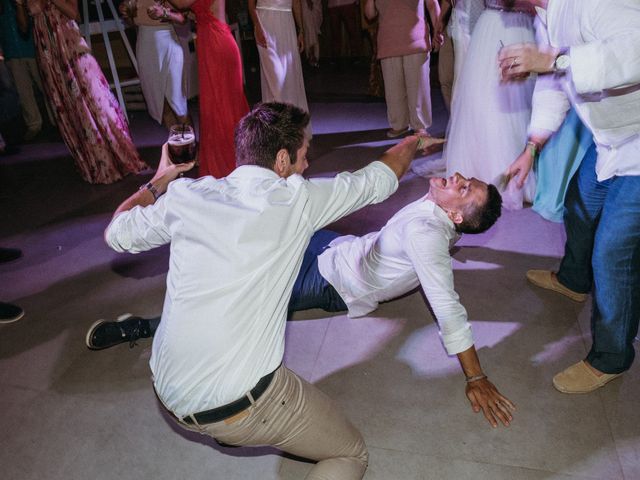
[222, 100]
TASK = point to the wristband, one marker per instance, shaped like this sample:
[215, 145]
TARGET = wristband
[533, 148]
[154, 191]
[475, 378]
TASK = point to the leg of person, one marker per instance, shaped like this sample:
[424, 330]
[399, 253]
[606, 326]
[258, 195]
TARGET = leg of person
[445, 70]
[583, 206]
[37, 79]
[30, 111]
[310, 289]
[127, 328]
[335, 24]
[616, 272]
[351, 16]
[418, 88]
[395, 96]
[297, 418]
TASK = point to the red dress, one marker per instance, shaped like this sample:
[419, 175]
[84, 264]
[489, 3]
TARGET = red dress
[222, 100]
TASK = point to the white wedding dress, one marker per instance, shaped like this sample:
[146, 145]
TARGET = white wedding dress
[489, 119]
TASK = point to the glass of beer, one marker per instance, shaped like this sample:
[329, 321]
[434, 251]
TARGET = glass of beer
[182, 144]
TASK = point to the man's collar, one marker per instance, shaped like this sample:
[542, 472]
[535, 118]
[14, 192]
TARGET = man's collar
[253, 171]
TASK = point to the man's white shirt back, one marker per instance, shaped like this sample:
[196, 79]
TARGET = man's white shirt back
[411, 249]
[236, 248]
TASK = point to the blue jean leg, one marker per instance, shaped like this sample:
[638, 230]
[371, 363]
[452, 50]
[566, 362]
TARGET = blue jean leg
[616, 272]
[310, 289]
[582, 208]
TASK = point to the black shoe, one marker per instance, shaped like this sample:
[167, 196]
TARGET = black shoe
[9, 254]
[127, 328]
[10, 313]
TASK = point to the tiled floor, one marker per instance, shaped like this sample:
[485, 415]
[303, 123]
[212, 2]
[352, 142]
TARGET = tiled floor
[70, 413]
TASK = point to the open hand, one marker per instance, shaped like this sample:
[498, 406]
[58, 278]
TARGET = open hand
[483, 395]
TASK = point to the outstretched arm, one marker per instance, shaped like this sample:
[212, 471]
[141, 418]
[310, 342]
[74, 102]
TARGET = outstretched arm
[426, 243]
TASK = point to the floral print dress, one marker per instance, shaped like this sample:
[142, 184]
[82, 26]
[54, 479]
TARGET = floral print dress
[88, 115]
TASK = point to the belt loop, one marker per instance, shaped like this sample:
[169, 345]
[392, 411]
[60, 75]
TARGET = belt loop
[193, 419]
[250, 397]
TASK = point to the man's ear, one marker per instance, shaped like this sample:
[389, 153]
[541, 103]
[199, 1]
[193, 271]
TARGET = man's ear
[281, 165]
[455, 216]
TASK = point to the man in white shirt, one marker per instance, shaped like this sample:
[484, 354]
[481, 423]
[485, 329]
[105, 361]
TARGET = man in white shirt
[236, 246]
[593, 52]
[356, 273]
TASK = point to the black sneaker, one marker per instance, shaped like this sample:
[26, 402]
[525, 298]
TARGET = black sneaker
[10, 313]
[104, 334]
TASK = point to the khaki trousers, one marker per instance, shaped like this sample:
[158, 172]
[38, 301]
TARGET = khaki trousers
[25, 74]
[407, 91]
[297, 418]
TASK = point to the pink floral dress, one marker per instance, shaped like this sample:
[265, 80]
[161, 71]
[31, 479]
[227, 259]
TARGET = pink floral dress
[88, 115]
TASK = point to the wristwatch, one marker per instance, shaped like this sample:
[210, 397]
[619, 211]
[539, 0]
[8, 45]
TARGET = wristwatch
[562, 61]
[151, 187]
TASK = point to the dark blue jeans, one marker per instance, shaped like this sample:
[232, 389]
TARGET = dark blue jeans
[311, 290]
[602, 253]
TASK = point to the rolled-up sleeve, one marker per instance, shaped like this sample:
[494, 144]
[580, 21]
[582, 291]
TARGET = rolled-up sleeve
[613, 60]
[334, 198]
[139, 229]
[428, 250]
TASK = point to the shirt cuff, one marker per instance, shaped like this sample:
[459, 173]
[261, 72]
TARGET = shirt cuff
[458, 341]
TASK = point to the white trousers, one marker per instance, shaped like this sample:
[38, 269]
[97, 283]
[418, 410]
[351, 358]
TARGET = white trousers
[407, 91]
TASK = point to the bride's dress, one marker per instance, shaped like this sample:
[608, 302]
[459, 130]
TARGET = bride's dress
[489, 119]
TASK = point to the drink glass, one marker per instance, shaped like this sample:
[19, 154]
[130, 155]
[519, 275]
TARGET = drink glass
[182, 144]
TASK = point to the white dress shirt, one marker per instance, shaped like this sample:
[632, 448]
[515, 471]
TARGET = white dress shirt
[411, 249]
[236, 247]
[603, 81]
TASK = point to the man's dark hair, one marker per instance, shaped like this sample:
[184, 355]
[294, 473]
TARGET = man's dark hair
[267, 129]
[479, 217]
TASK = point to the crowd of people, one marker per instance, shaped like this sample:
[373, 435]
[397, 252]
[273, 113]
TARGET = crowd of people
[551, 86]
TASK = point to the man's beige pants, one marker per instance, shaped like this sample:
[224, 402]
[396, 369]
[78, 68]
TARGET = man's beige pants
[297, 418]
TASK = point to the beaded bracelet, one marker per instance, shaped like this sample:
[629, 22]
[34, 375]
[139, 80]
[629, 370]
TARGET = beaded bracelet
[475, 378]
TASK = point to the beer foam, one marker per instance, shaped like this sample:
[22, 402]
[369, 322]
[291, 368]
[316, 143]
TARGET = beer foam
[179, 139]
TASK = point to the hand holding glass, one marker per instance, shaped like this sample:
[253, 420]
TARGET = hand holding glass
[182, 144]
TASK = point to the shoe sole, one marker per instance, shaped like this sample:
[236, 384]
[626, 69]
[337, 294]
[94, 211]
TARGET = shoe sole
[87, 339]
[581, 392]
[12, 320]
[576, 297]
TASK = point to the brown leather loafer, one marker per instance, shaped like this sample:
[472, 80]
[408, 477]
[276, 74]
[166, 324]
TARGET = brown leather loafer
[579, 378]
[547, 279]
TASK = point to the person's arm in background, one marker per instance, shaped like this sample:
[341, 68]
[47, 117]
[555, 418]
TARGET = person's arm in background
[258, 31]
[297, 17]
[68, 8]
[433, 9]
[164, 14]
[370, 10]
